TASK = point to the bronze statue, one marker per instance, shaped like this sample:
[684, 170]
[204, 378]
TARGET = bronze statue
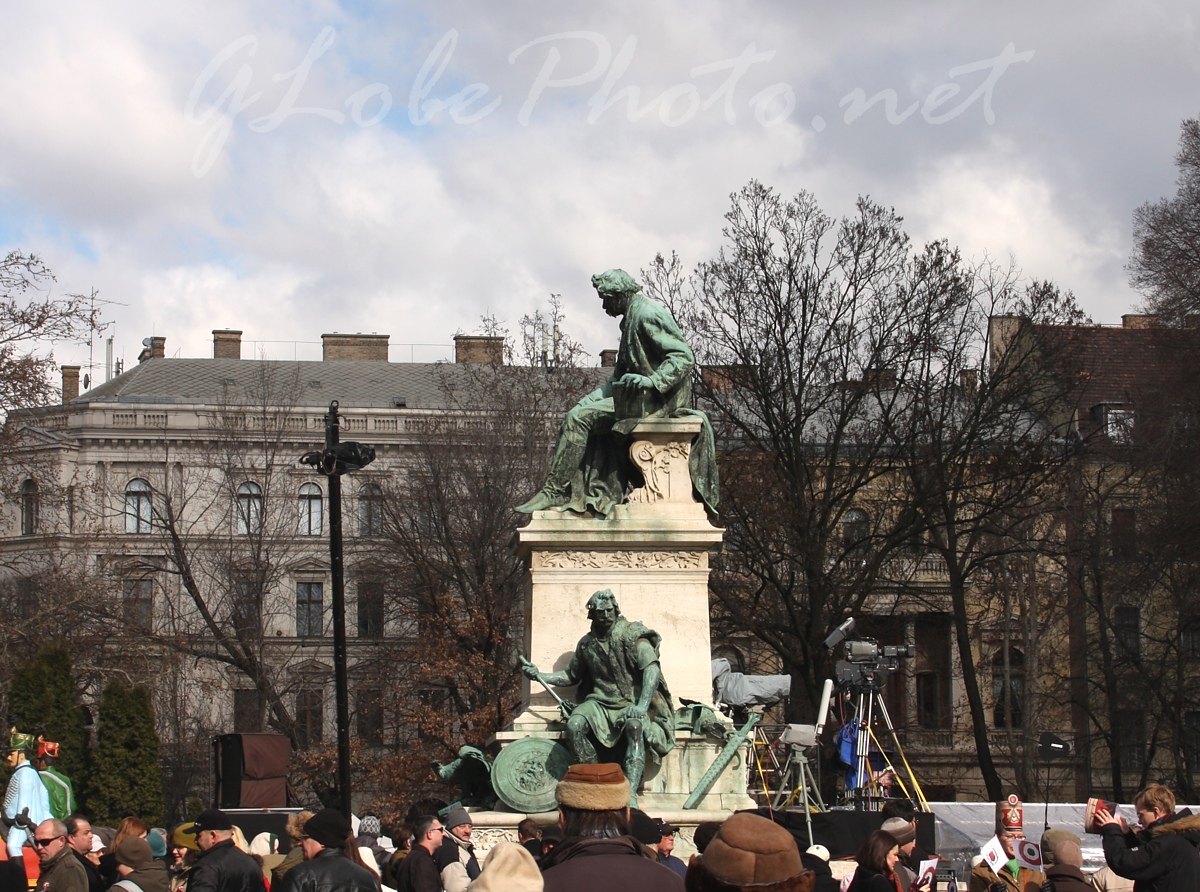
[652, 379]
[624, 701]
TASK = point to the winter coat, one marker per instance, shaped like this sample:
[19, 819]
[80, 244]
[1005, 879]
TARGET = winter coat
[1064, 878]
[62, 873]
[95, 884]
[417, 872]
[866, 880]
[600, 865]
[1027, 880]
[150, 877]
[330, 871]
[226, 868]
[824, 881]
[1161, 858]
[456, 863]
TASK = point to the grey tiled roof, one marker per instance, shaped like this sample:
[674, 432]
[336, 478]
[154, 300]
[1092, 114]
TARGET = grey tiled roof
[359, 384]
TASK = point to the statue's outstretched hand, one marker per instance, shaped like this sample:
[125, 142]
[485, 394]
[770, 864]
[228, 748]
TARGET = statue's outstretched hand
[530, 670]
[631, 379]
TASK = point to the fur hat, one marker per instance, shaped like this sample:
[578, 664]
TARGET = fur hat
[589, 787]
[134, 852]
[749, 852]
[904, 831]
[509, 868]
[1051, 840]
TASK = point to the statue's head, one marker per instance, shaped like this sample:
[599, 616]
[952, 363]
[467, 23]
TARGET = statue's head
[603, 609]
[616, 288]
[20, 746]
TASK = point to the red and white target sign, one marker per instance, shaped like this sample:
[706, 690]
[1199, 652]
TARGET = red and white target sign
[1029, 853]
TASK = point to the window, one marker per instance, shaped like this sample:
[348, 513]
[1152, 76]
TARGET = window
[247, 712]
[1118, 426]
[310, 717]
[249, 509]
[138, 603]
[932, 633]
[370, 610]
[1008, 689]
[1122, 532]
[138, 507]
[1191, 739]
[247, 606]
[25, 604]
[1127, 631]
[310, 612]
[1189, 638]
[310, 509]
[856, 529]
[1129, 736]
[29, 508]
[369, 709]
[370, 510]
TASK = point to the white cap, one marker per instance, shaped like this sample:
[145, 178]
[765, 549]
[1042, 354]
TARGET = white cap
[819, 850]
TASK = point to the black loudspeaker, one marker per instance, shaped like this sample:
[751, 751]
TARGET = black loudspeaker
[251, 770]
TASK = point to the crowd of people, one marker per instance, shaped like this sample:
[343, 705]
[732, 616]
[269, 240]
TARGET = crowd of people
[598, 843]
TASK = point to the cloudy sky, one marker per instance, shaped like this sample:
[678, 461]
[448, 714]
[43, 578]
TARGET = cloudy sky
[291, 169]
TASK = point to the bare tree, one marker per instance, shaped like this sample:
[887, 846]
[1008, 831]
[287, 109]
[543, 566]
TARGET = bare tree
[1165, 265]
[810, 332]
[453, 579]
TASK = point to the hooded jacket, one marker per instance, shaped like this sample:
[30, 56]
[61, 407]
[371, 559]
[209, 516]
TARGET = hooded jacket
[1161, 858]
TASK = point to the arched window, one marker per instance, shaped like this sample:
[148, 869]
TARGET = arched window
[1008, 689]
[249, 509]
[856, 529]
[310, 506]
[29, 508]
[370, 510]
[138, 506]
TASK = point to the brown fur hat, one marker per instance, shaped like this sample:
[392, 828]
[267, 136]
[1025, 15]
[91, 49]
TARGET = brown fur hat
[749, 852]
[589, 787]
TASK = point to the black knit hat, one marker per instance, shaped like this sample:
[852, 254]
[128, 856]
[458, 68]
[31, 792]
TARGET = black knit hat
[329, 827]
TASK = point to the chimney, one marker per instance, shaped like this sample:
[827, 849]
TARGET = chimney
[1002, 331]
[70, 383]
[358, 347]
[608, 359]
[1134, 320]
[479, 349]
[227, 344]
[153, 348]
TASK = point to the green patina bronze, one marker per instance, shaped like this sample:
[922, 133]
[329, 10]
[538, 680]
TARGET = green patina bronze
[590, 470]
[625, 710]
[526, 773]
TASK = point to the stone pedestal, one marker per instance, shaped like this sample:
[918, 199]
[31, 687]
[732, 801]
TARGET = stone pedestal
[652, 552]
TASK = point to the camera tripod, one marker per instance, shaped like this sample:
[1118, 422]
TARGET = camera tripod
[868, 706]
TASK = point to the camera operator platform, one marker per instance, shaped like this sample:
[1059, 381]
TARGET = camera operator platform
[860, 678]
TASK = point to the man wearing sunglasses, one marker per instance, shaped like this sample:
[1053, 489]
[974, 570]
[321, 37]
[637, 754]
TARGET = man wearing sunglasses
[60, 871]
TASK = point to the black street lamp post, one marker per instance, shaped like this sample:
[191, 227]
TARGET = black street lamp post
[333, 461]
